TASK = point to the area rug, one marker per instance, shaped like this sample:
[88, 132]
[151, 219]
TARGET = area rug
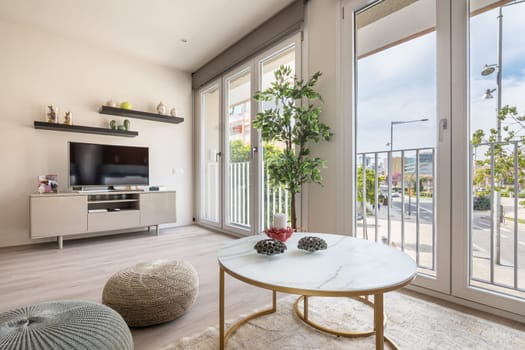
[413, 323]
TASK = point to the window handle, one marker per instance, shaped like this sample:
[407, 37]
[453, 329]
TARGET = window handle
[254, 150]
[218, 155]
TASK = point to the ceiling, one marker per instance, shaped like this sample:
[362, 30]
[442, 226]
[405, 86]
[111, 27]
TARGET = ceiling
[148, 30]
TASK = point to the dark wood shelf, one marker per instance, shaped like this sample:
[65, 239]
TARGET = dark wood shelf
[84, 129]
[129, 113]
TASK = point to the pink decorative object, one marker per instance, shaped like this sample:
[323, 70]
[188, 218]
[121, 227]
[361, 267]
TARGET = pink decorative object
[280, 234]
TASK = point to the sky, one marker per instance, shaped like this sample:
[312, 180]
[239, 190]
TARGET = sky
[400, 83]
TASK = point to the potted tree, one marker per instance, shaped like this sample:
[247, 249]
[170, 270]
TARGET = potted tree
[293, 121]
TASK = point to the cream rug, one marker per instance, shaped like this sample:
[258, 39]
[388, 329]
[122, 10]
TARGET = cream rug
[413, 323]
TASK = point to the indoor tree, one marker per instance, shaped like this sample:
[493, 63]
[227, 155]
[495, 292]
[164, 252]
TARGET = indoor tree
[293, 121]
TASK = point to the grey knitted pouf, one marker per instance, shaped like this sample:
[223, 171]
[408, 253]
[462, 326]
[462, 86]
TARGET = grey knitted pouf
[153, 292]
[64, 325]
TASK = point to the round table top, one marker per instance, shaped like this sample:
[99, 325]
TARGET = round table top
[349, 266]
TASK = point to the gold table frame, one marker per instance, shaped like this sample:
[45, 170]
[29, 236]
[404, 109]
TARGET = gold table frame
[377, 304]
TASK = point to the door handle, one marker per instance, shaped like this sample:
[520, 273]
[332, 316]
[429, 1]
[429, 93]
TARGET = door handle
[254, 150]
[443, 125]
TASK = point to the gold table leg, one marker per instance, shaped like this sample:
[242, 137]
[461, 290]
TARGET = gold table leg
[223, 337]
[221, 309]
[305, 308]
[382, 319]
[378, 321]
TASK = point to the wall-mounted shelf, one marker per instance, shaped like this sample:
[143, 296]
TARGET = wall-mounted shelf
[129, 113]
[84, 129]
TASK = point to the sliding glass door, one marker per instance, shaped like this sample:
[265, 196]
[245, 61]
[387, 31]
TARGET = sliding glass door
[402, 149]
[210, 155]
[234, 188]
[493, 252]
[238, 177]
[440, 141]
[274, 199]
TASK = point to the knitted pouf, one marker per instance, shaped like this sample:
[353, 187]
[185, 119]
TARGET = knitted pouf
[61, 325]
[153, 292]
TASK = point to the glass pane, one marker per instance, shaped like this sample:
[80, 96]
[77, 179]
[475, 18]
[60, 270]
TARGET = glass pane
[210, 110]
[274, 198]
[396, 126]
[497, 134]
[238, 138]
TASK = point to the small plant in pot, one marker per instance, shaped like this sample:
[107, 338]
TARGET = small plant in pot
[293, 121]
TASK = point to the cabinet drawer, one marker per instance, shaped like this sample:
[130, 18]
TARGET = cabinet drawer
[57, 216]
[113, 220]
[157, 208]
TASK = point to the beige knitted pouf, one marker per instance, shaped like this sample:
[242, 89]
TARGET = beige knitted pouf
[152, 292]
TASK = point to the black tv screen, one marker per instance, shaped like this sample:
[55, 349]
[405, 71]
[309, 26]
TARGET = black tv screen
[107, 165]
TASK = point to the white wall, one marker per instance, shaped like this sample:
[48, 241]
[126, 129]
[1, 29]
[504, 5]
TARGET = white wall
[321, 56]
[37, 69]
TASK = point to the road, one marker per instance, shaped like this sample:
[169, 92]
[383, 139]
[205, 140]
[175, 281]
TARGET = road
[481, 228]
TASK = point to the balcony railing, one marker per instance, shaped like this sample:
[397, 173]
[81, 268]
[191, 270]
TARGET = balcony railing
[497, 225]
[399, 206]
[274, 199]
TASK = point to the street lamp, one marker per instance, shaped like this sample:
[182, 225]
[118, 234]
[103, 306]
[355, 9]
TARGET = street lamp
[392, 123]
[397, 122]
[488, 94]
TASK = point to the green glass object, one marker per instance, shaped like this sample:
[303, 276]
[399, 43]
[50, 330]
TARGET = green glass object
[113, 124]
[126, 124]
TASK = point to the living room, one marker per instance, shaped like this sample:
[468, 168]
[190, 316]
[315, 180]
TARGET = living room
[179, 82]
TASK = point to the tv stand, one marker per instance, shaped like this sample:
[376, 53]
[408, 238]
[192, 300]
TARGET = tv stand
[82, 189]
[72, 213]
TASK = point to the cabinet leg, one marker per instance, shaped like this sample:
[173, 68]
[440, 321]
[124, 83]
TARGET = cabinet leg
[60, 242]
[157, 230]
[149, 228]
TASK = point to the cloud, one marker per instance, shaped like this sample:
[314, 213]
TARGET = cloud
[400, 83]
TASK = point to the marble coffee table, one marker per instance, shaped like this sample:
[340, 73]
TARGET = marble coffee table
[350, 267]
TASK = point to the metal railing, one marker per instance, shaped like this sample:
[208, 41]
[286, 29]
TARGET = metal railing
[403, 181]
[497, 216]
[274, 199]
[239, 193]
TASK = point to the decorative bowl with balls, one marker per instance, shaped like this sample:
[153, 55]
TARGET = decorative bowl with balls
[280, 234]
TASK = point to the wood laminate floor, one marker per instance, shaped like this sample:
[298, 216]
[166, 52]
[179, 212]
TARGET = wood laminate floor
[38, 273]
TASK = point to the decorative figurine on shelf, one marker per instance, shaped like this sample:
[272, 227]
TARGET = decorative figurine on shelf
[279, 230]
[125, 105]
[47, 183]
[121, 127]
[113, 124]
[126, 124]
[52, 114]
[173, 112]
[68, 118]
[111, 103]
[161, 109]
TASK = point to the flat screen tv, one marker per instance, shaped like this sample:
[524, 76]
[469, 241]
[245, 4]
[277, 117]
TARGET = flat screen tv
[107, 165]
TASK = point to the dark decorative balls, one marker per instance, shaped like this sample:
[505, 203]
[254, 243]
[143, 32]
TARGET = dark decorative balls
[270, 247]
[312, 244]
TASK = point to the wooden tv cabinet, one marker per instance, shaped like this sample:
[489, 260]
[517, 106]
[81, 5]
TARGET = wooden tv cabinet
[72, 213]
